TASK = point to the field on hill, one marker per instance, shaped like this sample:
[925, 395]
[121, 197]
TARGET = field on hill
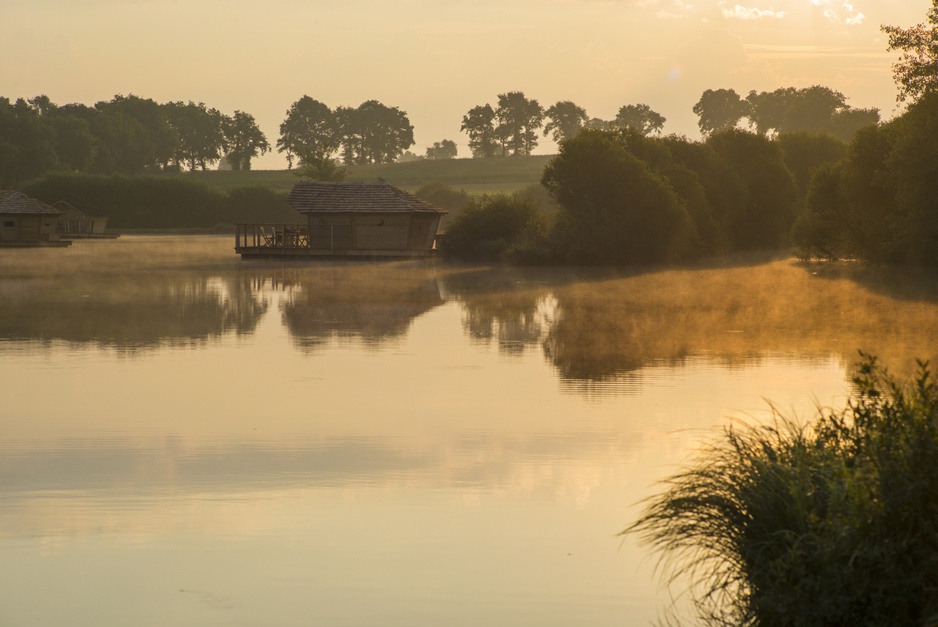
[475, 176]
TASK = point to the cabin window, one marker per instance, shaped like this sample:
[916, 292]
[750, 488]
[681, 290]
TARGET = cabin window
[9, 223]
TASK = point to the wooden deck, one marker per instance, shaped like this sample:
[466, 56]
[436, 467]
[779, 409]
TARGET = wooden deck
[292, 241]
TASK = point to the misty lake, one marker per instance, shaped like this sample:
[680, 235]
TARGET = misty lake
[189, 439]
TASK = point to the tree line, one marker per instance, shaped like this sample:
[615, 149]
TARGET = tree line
[125, 135]
[626, 198]
[131, 135]
[512, 126]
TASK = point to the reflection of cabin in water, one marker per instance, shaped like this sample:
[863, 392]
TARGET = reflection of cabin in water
[363, 220]
[26, 221]
[80, 220]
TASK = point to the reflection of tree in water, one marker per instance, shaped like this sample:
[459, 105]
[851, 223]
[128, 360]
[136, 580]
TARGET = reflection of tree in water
[734, 315]
[126, 311]
[510, 306]
[127, 294]
[371, 302]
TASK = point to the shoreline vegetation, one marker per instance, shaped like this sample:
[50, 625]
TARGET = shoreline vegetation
[831, 522]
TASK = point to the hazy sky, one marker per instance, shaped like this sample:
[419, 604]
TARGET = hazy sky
[435, 59]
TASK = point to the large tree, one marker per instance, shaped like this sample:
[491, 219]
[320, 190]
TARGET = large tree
[916, 72]
[641, 117]
[309, 132]
[564, 120]
[373, 133]
[445, 149]
[811, 109]
[614, 208]
[479, 124]
[517, 122]
[26, 143]
[135, 134]
[719, 110]
[200, 133]
[74, 146]
[766, 216]
[244, 140]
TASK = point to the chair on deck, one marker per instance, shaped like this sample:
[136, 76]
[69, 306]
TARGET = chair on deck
[267, 235]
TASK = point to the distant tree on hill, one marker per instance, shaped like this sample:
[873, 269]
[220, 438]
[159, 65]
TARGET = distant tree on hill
[373, 133]
[445, 149]
[598, 124]
[244, 140]
[720, 110]
[134, 135]
[812, 109]
[479, 124]
[199, 131]
[26, 143]
[517, 122]
[309, 132]
[641, 117]
[564, 120]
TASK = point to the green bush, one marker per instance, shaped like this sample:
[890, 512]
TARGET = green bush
[259, 204]
[835, 523]
[161, 202]
[491, 227]
[443, 196]
[614, 208]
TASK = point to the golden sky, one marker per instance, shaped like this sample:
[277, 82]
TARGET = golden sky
[435, 59]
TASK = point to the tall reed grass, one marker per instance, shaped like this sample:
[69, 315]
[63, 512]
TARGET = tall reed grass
[831, 523]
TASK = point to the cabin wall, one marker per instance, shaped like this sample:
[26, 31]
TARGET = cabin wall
[381, 232]
[332, 232]
[372, 231]
[423, 229]
[27, 228]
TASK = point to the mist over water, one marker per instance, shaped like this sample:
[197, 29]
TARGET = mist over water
[186, 438]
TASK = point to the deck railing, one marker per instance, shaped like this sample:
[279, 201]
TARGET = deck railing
[271, 236]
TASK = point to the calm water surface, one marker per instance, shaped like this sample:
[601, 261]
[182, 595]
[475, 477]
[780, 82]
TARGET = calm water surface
[188, 439]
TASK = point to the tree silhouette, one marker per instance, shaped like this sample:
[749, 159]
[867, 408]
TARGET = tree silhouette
[641, 117]
[565, 120]
[720, 110]
[517, 122]
[479, 124]
[309, 132]
[199, 132]
[244, 140]
[916, 72]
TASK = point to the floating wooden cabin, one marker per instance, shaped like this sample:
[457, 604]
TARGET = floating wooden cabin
[80, 220]
[26, 221]
[351, 220]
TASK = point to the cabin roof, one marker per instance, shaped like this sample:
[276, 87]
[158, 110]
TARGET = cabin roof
[377, 197]
[12, 201]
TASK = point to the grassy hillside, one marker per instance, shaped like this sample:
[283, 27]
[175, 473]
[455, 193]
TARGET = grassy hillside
[476, 176]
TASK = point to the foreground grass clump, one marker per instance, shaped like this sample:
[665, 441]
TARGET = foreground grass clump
[835, 523]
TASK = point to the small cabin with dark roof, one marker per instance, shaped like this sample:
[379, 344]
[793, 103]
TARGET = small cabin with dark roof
[26, 221]
[364, 220]
[80, 220]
